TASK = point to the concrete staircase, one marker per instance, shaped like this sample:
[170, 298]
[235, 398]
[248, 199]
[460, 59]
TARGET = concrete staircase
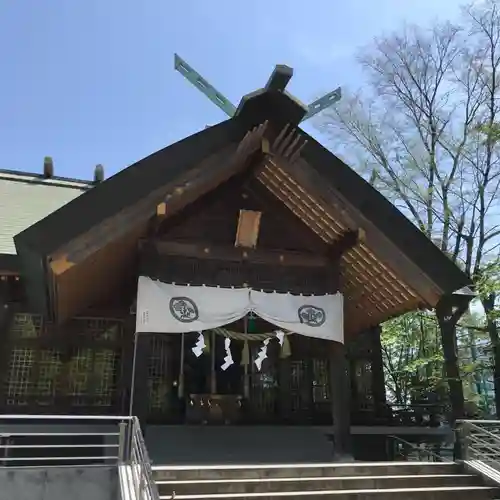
[349, 481]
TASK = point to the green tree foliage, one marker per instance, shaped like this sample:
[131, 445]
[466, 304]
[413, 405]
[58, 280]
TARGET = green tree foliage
[413, 360]
[411, 352]
[425, 131]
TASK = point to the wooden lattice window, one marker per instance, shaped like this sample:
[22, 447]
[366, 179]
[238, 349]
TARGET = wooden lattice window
[364, 383]
[49, 369]
[19, 385]
[321, 381]
[158, 383]
[38, 373]
[26, 326]
[80, 369]
[299, 386]
[264, 383]
[105, 367]
[93, 371]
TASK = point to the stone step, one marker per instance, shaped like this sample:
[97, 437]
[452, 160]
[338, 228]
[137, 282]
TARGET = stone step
[231, 486]
[432, 493]
[260, 471]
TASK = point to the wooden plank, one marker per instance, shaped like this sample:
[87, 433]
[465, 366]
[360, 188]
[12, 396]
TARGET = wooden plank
[247, 233]
[256, 256]
[379, 243]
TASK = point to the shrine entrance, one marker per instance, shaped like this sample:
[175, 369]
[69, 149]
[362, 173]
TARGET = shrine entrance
[291, 387]
[239, 394]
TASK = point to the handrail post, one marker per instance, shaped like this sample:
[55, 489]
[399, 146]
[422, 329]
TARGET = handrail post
[5, 441]
[122, 443]
[462, 438]
[140, 486]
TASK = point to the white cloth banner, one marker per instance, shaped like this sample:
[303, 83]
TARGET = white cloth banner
[166, 308]
[320, 316]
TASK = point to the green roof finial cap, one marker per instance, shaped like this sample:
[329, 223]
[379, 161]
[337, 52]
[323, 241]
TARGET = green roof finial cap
[48, 167]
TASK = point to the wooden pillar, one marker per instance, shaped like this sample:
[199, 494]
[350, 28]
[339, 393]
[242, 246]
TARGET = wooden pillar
[341, 401]
[285, 403]
[378, 378]
[125, 356]
[140, 395]
[7, 312]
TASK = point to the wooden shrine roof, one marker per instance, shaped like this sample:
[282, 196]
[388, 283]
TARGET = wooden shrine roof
[393, 269]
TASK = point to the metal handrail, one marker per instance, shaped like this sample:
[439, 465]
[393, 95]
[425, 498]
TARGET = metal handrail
[478, 443]
[477, 428]
[425, 451]
[476, 422]
[123, 447]
[143, 486]
[479, 447]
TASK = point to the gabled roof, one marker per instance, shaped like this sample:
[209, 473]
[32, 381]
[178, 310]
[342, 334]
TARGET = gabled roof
[26, 198]
[376, 209]
[147, 179]
[123, 189]
[394, 270]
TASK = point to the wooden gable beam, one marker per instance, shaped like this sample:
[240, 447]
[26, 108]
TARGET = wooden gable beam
[237, 254]
[212, 172]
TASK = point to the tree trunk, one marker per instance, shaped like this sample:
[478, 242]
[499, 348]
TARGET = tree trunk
[448, 315]
[489, 306]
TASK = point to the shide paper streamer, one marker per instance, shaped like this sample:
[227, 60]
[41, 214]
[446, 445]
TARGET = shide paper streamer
[199, 346]
[280, 336]
[262, 355]
[228, 360]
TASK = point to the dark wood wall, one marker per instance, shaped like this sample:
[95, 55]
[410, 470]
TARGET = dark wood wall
[211, 222]
[293, 390]
[85, 365]
[214, 217]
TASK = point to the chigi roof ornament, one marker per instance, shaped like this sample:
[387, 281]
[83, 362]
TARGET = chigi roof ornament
[277, 82]
[48, 167]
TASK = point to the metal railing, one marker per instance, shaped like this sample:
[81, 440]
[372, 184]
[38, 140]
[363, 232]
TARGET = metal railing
[401, 449]
[57, 440]
[479, 440]
[478, 444]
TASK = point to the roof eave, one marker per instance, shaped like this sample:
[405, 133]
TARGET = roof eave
[374, 207]
[122, 190]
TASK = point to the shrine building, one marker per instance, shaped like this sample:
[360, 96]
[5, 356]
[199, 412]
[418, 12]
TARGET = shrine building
[236, 279]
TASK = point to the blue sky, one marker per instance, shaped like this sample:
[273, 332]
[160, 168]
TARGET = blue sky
[92, 81]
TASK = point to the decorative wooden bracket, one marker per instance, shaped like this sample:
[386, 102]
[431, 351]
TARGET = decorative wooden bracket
[288, 144]
[345, 243]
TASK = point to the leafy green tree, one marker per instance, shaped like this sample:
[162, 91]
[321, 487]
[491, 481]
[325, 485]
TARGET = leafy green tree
[411, 352]
[425, 133]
